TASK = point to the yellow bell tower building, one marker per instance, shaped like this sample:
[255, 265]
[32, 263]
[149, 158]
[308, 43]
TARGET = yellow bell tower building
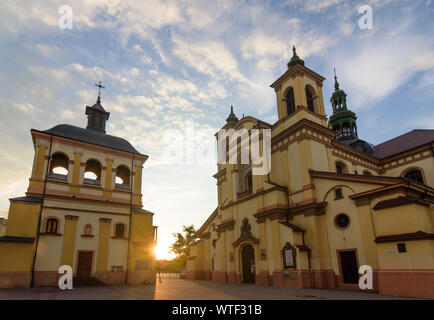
[82, 208]
[299, 88]
[330, 204]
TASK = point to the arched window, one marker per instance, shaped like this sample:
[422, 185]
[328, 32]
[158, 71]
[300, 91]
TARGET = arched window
[289, 256]
[87, 230]
[290, 101]
[340, 167]
[58, 166]
[92, 172]
[249, 181]
[244, 179]
[415, 175]
[309, 99]
[119, 230]
[122, 177]
[51, 227]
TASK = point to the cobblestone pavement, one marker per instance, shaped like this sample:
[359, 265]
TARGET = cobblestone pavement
[176, 289]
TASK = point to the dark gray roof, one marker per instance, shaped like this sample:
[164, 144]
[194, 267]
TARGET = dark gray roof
[98, 106]
[27, 199]
[16, 239]
[359, 144]
[91, 136]
[402, 143]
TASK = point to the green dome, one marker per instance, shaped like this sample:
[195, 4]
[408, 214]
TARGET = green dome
[343, 121]
[295, 59]
[232, 119]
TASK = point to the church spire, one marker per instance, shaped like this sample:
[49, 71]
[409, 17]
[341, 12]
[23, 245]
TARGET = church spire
[336, 81]
[343, 121]
[96, 115]
[232, 119]
[295, 59]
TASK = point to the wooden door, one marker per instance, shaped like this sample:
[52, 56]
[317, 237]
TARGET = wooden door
[248, 261]
[350, 269]
[84, 265]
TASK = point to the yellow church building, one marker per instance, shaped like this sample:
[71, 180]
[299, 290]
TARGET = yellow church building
[330, 204]
[82, 208]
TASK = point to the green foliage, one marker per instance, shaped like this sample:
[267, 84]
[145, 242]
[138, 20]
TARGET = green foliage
[181, 246]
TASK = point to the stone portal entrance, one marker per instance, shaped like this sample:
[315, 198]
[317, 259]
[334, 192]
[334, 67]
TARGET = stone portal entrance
[350, 270]
[248, 263]
[84, 264]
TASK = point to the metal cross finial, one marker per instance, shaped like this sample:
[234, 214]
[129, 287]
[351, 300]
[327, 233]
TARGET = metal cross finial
[100, 86]
[336, 80]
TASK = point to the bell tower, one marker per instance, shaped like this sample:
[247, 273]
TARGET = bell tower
[299, 88]
[96, 115]
[343, 121]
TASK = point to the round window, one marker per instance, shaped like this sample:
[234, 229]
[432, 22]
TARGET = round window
[342, 221]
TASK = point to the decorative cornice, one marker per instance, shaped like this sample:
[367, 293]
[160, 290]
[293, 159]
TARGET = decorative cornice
[382, 180]
[207, 222]
[249, 238]
[71, 217]
[292, 226]
[251, 196]
[227, 224]
[419, 235]
[398, 201]
[412, 189]
[220, 174]
[311, 209]
[303, 247]
[296, 69]
[278, 213]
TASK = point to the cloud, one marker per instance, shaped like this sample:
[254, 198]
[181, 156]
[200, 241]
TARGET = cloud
[425, 123]
[378, 67]
[165, 63]
[212, 58]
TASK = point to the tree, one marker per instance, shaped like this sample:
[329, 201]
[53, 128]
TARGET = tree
[181, 246]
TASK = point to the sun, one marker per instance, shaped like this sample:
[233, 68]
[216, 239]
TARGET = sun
[163, 252]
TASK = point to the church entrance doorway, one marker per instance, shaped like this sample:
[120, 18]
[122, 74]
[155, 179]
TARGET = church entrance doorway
[248, 263]
[84, 264]
[349, 268]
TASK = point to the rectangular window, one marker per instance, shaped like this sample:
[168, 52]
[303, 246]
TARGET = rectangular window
[51, 226]
[338, 193]
[402, 247]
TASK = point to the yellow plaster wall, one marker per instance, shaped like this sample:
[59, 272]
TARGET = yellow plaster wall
[103, 246]
[16, 257]
[68, 245]
[142, 234]
[419, 255]
[319, 156]
[23, 219]
[406, 219]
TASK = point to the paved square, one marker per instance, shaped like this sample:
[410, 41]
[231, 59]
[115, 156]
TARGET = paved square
[175, 289]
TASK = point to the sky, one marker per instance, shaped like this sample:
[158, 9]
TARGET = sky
[169, 64]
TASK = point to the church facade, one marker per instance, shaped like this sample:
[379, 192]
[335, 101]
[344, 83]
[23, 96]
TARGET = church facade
[330, 204]
[82, 208]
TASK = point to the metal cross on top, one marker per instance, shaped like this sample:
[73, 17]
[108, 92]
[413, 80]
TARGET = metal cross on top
[100, 86]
